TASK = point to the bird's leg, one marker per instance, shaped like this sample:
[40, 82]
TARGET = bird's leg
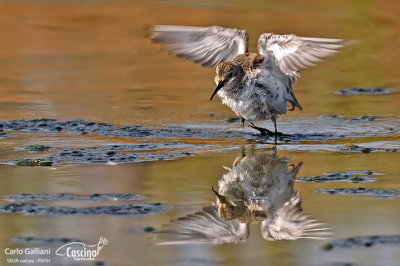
[243, 151]
[276, 129]
[263, 131]
[242, 120]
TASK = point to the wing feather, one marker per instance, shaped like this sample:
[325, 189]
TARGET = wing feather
[208, 46]
[292, 53]
[290, 223]
[206, 226]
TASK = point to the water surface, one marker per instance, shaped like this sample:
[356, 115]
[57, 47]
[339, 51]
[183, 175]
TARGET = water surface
[90, 60]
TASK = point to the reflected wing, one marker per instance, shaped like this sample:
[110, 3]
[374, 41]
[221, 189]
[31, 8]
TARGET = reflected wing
[293, 53]
[208, 46]
[206, 227]
[290, 223]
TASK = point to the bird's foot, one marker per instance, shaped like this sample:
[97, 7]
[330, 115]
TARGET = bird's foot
[263, 131]
[266, 132]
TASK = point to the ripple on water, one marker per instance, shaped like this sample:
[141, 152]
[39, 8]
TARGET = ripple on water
[115, 210]
[363, 91]
[66, 196]
[362, 241]
[361, 191]
[349, 176]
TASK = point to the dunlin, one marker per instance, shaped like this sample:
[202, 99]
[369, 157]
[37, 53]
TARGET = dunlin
[256, 86]
[259, 188]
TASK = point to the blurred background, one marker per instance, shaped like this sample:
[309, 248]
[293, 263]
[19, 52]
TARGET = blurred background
[91, 60]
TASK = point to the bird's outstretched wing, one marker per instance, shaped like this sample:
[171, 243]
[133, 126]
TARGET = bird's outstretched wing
[205, 227]
[292, 53]
[208, 46]
[290, 223]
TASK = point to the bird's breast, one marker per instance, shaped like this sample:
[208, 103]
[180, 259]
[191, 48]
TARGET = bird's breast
[258, 97]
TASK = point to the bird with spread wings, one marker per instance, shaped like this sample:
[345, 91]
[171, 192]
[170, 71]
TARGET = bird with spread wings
[256, 86]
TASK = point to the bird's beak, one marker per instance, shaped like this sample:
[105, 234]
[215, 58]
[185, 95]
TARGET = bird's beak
[219, 86]
[221, 198]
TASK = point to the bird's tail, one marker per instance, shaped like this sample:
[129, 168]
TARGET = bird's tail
[293, 101]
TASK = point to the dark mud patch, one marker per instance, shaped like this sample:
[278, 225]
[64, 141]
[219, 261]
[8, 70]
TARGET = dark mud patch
[37, 148]
[33, 162]
[42, 241]
[293, 138]
[362, 118]
[233, 120]
[363, 91]
[316, 130]
[349, 176]
[360, 191]
[217, 115]
[146, 146]
[64, 196]
[105, 154]
[83, 127]
[362, 241]
[99, 263]
[5, 135]
[350, 147]
[97, 155]
[116, 210]
[347, 148]
[147, 229]
[354, 148]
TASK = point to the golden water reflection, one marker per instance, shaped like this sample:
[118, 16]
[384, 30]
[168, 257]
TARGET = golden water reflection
[259, 188]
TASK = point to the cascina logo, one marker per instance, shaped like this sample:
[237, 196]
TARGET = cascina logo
[80, 251]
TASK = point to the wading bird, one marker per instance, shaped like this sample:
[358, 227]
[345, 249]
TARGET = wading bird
[256, 86]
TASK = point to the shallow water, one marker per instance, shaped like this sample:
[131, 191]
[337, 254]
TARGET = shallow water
[69, 60]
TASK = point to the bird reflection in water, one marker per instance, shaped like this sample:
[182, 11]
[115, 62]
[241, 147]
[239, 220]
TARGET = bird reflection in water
[259, 188]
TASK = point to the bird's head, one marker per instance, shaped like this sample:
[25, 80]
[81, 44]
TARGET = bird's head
[229, 209]
[228, 77]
